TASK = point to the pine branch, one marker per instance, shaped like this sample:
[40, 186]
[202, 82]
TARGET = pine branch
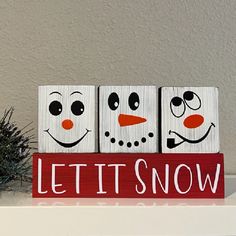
[15, 149]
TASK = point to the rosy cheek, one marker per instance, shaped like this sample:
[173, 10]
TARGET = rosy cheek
[193, 121]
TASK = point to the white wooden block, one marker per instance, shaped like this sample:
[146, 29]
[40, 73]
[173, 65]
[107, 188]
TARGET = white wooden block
[128, 119]
[66, 119]
[189, 120]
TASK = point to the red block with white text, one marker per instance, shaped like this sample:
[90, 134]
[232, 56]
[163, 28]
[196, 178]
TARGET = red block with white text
[128, 175]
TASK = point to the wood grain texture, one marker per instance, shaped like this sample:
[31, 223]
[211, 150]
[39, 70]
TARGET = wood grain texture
[128, 175]
[127, 119]
[189, 120]
[66, 119]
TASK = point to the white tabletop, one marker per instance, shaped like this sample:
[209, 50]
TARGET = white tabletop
[22, 215]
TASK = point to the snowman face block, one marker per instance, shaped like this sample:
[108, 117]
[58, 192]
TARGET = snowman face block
[128, 119]
[189, 119]
[66, 118]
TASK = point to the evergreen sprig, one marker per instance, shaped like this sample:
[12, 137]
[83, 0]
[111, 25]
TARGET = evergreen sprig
[15, 149]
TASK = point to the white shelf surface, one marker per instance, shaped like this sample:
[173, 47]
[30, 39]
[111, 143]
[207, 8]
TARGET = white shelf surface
[20, 214]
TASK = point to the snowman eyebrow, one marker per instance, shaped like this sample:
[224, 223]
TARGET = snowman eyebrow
[76, 92]
[55, 93]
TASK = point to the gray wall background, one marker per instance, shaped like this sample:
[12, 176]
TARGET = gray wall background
[166, 43]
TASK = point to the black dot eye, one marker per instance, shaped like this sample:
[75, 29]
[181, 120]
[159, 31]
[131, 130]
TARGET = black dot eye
[134, 101]
[177, 106]
[55, 108]
[113, 101]
[176, 101]
[192, 100]
[77, 108]
[188, 95]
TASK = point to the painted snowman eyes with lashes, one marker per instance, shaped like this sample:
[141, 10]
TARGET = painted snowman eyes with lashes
[55, 107]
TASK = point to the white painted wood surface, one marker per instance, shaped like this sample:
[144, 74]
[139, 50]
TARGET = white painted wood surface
[66, 119]
[129, 123]
[189, 120]
[96, 216]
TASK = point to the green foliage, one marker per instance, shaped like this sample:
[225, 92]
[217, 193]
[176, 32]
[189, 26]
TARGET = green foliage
[15, 150]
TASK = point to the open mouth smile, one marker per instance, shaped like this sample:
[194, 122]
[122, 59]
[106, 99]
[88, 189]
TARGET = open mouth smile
[68, 145]
[171, 141]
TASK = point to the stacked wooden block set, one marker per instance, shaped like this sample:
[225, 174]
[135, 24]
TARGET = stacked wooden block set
[128, 142]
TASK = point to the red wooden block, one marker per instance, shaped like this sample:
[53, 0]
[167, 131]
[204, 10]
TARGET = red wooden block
[128, 175]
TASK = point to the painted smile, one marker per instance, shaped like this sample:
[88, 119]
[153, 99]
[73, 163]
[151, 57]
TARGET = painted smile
[129, 144]
[171, 141]
[68, 145]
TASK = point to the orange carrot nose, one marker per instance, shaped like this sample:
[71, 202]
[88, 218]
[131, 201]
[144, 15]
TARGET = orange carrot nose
[67, 124]
[126, 120]
[193, 121]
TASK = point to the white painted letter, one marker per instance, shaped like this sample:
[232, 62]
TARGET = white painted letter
[116, 175]
[176, 178]
[156, 176]
[40, 177]
[100, 179]
[54, 185]
[138, 176]
[203, 186]
[77, 175]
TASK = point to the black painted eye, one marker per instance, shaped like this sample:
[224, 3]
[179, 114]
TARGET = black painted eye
[113, 101]
[188, 95]
[176, 101]
[77, 108]
[192, 100]
[177, 106]
[134, 101]
[55, 108]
